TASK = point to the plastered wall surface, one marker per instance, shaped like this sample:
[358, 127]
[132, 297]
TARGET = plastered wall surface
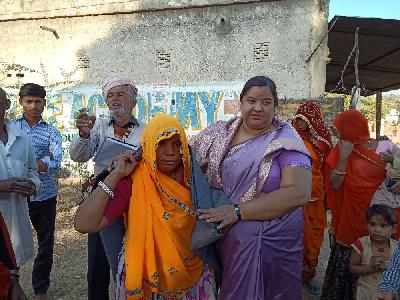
[190, 58]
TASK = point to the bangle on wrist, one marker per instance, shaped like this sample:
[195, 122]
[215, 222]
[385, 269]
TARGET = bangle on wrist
[236, 208]
[106, 189]
[339, 173]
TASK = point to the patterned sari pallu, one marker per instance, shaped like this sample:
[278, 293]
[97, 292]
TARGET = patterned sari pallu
[158, 259]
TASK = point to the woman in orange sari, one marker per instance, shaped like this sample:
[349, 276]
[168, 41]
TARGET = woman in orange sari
[156, 194]
[309, 123]
[355, 168]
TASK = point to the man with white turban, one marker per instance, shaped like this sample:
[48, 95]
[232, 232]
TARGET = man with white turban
[103, 248]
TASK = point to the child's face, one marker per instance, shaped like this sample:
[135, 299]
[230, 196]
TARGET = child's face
[379, 229]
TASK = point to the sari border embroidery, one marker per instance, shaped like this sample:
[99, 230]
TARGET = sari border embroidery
[368, 158]
[250, 194]
[266, 164]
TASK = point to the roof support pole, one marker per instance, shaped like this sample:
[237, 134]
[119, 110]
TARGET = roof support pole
[378, 113]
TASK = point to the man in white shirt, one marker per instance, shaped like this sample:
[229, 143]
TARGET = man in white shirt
[18, 180]
[120, 95]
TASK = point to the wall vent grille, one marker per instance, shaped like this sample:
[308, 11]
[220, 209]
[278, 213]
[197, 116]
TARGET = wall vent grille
[83, 61]
[163, 58]
[261, 52]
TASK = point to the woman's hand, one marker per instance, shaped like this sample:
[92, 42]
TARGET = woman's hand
[345, 149]
[386, 156]
[123, 164]
[224, 214]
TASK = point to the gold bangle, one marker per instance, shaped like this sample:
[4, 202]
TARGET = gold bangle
[339, 173]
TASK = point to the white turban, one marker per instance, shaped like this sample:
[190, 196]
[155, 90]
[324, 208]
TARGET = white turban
[116, 81]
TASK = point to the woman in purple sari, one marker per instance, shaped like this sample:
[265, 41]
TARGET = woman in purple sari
[264, 167]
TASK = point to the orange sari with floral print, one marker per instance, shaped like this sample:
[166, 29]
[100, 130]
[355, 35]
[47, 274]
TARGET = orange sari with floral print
[161, 219]
[318, 142]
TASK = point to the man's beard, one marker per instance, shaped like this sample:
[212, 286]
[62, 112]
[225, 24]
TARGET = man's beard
[119, 112]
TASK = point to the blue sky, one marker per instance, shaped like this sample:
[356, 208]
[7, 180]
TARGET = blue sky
[386, 9]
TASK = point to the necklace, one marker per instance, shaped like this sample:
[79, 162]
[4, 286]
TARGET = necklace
[381, 249]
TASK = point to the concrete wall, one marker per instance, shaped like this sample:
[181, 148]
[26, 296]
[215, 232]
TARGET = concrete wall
[12, 9]
[184, 59]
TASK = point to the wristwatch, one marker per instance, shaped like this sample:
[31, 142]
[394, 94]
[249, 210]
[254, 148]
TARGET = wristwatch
[236, 208]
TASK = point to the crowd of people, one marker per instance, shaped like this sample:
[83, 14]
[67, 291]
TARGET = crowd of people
[236, 212]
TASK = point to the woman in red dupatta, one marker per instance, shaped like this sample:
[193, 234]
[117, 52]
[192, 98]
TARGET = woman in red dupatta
[353, 173]
[309, 123]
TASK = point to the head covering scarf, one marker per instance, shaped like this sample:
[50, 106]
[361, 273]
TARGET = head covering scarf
[160, 222]
[312, 115]
[116, 81]
[318, 141]
[364, 173]
[352, 126]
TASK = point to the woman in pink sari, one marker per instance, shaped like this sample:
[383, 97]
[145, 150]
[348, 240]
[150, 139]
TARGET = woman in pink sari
[263, 166]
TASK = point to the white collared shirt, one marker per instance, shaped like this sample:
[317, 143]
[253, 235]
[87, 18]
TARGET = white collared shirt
[17, 159]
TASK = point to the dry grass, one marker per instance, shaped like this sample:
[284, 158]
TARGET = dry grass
[68, 277]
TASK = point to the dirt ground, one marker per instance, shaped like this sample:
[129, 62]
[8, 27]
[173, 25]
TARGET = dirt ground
[68, 277]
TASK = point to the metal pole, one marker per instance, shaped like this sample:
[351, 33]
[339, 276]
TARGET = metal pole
[378, 113]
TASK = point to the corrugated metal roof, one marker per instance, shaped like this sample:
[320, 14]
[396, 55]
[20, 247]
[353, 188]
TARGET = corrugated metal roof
[379, 58]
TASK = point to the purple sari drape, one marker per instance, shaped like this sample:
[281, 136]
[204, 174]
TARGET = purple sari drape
[260, 259]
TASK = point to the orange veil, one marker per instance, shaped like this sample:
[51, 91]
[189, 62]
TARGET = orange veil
[160, 222]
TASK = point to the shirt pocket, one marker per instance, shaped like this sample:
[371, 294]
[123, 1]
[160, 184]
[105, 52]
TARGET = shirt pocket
[19, 167]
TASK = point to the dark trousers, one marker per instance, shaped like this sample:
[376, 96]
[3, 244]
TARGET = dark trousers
[43, 218]
[98, 275]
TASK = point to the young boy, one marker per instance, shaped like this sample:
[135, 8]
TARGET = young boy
[371, 254]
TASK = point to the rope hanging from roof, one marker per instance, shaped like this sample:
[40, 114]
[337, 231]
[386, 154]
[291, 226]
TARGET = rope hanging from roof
[356, 90]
